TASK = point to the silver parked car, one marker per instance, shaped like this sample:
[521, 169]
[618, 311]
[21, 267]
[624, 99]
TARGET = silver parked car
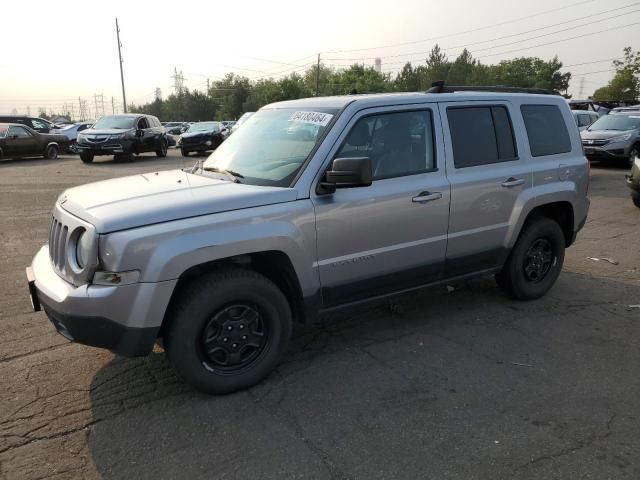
[584, 119]
[382, 194]
[71, 132]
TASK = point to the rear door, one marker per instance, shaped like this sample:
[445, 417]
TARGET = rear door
[488, 170]
[391, 235]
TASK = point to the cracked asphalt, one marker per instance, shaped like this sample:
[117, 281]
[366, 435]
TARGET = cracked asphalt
[459, 385]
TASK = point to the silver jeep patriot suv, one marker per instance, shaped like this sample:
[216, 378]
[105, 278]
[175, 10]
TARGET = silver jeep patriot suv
[312, 205]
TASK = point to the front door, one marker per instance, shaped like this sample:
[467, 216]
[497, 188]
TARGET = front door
[392, 235]
[489, 169]
[19, 142]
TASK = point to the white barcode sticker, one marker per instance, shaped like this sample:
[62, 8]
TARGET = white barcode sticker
[313, 118]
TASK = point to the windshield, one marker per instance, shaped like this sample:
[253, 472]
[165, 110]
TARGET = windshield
[204, 127]
[272, 145]
[244, 118]
[117, 122]
[616, 122]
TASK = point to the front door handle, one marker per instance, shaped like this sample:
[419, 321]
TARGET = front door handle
[424, 197]
[512, 182]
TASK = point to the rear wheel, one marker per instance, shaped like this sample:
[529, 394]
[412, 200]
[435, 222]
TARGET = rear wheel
[86, 157]
[635, 198]
[535, 261]
[162, 149]
[228, 330]
[184, 151]
[73, 147]
[51, 152]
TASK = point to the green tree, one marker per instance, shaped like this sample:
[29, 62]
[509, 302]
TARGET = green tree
[624, 87]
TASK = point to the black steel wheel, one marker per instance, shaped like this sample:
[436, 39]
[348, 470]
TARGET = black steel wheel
[51, 152]
[233, 338]
[227, 330]
[635, 198]
[86, 157]
[536, 260]
[162, 149]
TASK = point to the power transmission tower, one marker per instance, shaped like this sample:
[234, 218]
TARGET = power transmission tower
[581, 90]
[28, 110]
[124, 96]
[178, 81]
[113, 106]
[158, 94]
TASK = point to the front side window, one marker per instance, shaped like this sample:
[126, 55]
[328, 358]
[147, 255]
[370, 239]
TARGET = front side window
[272, 145]
[19, 132]
[398, 144]
[481, 135]
[546, 130]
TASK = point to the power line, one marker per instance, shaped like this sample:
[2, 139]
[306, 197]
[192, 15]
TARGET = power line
[465, 31]
[467, 45]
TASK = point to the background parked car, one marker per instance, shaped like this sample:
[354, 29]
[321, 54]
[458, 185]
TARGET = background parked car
[123, 136]
[71, 132]
[202, 136]
[176, 128]
[613, 137]
[18, 141]
[35, 123]
[584, 118]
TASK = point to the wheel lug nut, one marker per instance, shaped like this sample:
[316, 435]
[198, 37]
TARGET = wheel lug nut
[229, 327]
[225, 339]
[241, 327]
[234, 345]
[244, 337]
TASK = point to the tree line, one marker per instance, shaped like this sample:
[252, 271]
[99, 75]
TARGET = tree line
[228, 98]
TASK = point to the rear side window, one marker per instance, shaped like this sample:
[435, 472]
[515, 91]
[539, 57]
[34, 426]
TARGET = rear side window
[481, 135]
[546, 130]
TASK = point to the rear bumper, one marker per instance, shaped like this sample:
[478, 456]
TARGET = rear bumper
[125, 319]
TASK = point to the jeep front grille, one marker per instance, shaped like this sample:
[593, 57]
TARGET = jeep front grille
[58, 234]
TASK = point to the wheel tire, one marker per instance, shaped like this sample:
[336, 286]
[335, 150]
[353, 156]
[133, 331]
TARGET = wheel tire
[632, 155]
[514, 280]
[195, 313]
[73, 147]
[86, 157]
[185, 153]
[162, 149]
[635, 198]
[51, 153]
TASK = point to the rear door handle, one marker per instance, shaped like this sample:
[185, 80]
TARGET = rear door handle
[512, 182]
[424, 197]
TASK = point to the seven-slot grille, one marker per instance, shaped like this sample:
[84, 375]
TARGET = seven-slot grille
[58, 234]
[595, 143]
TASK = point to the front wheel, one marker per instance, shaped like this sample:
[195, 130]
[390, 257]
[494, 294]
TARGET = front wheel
[162, 149]
[184, 151]
[635, 198]
[535, 261]
[228, 330]
[51, 152]
[86, 157]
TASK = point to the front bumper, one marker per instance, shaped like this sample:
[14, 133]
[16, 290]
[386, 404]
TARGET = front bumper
[110, 147]
[200, 146]
[610, 151]
[125, 319]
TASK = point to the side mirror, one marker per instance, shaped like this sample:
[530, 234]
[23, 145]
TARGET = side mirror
[347, 173]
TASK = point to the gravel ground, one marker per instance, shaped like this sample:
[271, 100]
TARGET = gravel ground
[460, 385]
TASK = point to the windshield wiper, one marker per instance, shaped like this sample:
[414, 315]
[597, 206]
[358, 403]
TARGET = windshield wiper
[234, 176]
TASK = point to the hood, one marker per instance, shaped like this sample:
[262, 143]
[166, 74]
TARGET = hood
[603, 134]
[135, 201]
[201, 133]
[106, 131]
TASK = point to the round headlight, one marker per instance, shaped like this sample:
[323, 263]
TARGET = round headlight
[83, 247]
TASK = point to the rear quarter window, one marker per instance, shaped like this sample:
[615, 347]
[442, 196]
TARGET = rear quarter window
[546, 130]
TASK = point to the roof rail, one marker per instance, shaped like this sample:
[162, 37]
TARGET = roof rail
[440, 87]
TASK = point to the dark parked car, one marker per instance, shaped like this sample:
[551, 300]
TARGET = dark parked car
[123, 136]
[18, 140]
[202, 136]
[38, 124]
[613, 137]
[176, 128]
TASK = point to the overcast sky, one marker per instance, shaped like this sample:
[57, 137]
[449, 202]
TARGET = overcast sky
[55, 52]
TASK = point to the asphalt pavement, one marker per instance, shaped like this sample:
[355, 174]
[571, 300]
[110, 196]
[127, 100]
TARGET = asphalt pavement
[460, 384]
